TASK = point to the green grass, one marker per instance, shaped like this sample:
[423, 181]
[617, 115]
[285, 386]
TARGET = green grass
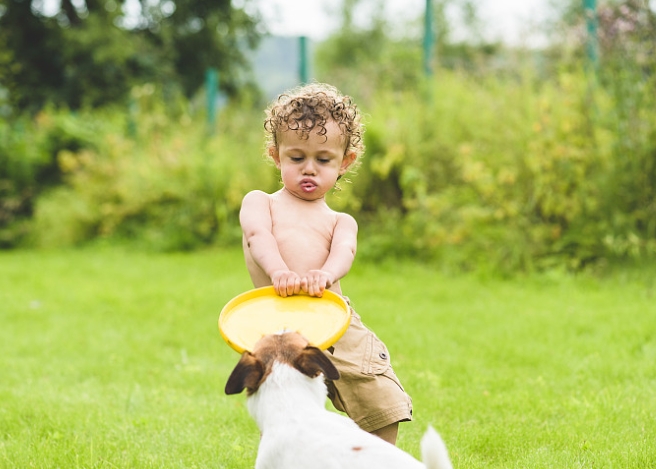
[112, 359]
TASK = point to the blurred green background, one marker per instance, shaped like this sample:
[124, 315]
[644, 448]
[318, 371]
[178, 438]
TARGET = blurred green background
[140, 123]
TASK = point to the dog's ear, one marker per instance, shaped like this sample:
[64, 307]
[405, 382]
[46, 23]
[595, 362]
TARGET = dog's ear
[313, 361]
[247, 374]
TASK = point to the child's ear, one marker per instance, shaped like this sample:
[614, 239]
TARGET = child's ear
[349, 159]
[275, 156]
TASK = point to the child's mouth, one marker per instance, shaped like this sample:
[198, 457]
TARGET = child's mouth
[308, 186]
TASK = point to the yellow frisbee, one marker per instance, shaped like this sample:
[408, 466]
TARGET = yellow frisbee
[253, 314]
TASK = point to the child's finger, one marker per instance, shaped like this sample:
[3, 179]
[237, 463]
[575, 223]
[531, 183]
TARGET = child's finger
[296, 285]
[293, 284]
[281, 289]
[316, 287]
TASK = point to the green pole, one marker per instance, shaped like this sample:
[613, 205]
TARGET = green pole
[133, 107]
[590, 9]
[429, 38]
[211, 89]
[304, 66]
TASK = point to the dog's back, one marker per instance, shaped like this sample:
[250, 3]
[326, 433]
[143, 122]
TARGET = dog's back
[283, 378]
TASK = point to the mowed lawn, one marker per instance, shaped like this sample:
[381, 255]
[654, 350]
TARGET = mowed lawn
[112, 359]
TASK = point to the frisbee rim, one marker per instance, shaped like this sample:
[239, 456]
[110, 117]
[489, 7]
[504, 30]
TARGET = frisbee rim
[269, 292]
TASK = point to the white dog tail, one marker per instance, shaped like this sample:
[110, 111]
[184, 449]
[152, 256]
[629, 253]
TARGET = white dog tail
[433, 451]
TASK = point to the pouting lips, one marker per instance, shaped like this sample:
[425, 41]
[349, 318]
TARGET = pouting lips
[308, 186]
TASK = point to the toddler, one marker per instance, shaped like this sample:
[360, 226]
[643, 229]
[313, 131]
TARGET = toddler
[295, 242]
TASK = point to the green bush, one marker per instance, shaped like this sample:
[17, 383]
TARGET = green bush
[512, 174]
[484, 171]
[627, 43]
[28, 149]
[170, 186]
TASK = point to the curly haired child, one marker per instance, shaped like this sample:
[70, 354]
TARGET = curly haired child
[295, 242]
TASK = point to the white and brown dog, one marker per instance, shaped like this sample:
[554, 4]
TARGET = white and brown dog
[284, 379]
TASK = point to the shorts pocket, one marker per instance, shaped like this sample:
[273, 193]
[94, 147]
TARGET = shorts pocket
[377, 359]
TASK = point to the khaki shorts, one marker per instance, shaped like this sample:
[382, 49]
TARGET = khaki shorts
[368, 389]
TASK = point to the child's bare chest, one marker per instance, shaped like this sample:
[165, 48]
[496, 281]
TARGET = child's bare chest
[302, 224]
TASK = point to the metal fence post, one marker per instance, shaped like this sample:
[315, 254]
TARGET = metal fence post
[429, 38]
[211, 89]
[590, 9]
[304, 65]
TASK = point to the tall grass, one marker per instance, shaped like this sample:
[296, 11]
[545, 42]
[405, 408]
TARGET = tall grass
[111, 358]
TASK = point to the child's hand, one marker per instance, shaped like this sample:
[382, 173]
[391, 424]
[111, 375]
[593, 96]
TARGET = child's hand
[316, 282]
[286, 282]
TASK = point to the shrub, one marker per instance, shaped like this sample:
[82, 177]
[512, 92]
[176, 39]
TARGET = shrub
[509, 173]
[28, 149]
[506, 172]
[170, 186]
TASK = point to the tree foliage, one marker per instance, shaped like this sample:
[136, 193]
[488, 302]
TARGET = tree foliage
[500, 163]
[92, 52]
[376, 57]
[625, 68]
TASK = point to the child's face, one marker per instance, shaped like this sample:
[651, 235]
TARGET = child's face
[310, 166]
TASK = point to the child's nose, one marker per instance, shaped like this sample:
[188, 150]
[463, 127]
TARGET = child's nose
[309, 168]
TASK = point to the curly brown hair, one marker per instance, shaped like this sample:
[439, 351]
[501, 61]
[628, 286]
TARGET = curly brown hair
[307, 107]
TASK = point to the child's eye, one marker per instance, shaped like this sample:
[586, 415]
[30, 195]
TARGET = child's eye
[324, 160]
[296, 159]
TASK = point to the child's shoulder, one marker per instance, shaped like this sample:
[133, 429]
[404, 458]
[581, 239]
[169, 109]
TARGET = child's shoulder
[256, 197]
[344, 218]
[257, 194]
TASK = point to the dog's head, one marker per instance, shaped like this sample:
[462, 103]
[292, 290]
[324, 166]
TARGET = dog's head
[290, 348]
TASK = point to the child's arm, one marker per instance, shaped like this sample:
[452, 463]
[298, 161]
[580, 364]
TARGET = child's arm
[340, 259]
[256, 224]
